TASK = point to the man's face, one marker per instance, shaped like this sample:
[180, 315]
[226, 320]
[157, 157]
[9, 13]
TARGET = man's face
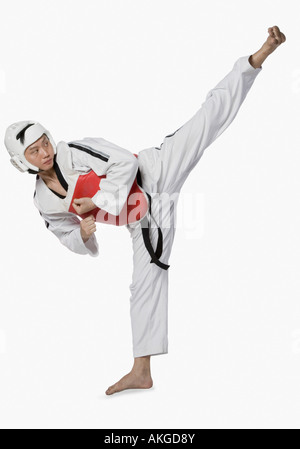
[41, 153]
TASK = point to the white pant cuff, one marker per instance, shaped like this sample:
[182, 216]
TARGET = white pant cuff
[150, 350]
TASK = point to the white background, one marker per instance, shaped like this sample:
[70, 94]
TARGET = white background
[133, 71]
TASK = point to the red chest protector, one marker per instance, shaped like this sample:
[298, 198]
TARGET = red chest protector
[134, 210]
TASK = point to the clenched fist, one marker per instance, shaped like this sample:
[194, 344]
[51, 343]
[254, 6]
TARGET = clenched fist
[87, 227]
[83, 205]
[276, 38]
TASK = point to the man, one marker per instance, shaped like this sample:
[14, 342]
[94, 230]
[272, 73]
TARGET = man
[68, 185]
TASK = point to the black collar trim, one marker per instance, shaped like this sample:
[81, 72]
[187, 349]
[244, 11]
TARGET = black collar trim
[61, 179]
[60, 176]
[58, 194]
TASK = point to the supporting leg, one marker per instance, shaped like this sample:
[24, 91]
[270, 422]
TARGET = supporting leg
[149, 287]
[148, 302]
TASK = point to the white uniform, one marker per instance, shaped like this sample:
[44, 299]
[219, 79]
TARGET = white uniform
[163, 173]
[104, 158]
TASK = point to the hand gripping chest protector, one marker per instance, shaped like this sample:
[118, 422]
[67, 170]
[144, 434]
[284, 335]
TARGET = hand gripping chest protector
[134, 210]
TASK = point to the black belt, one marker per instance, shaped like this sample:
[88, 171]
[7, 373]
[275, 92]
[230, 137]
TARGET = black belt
[155, 255]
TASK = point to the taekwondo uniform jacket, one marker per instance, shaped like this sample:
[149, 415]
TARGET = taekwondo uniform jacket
[116, 166]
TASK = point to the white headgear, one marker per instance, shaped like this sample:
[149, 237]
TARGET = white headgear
[20, 136]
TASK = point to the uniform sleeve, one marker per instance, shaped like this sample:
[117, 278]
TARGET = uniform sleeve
[67, 230]
[119, 165]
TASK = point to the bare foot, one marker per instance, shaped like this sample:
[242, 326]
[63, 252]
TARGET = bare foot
[135, 379]
[276, 38]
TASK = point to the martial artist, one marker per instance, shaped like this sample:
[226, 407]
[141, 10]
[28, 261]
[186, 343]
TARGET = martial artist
[68, 187]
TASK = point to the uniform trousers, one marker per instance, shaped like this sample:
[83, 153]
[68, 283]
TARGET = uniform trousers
[163, 171]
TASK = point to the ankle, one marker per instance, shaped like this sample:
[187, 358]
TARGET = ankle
[141, 365]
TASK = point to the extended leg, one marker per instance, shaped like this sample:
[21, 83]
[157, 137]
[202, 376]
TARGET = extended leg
[181, 151]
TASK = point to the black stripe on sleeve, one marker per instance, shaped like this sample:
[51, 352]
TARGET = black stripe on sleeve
[171, 135]
[46, 222]
[90, 151]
